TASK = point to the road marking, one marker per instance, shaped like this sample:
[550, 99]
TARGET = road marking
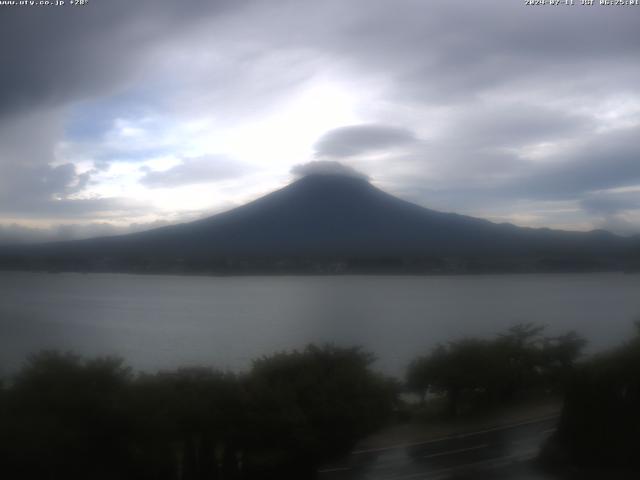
[495, 462]
[459, 450]
[520, 457]
[441, 473]
[337, 469]
[451, 437]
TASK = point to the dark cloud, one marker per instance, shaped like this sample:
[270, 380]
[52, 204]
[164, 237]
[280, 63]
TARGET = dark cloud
[57, 56]
[443, 52]
[356, 139]
[583, 183]
[52, 55]
[610, 203]
[191, 171]
[620, 225]
[600, 161]
[604, 161]
[517, 103]
[617, 211]
[39, 182]
[326, 167]
[516, 124]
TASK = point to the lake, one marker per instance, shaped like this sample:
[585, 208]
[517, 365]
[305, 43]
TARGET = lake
[159, 322]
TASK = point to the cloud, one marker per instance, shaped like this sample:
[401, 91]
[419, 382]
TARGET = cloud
[505, 124]
[356, 139]
[573, 181]
[90, 52]
[611, 202]
[519, 105]
[627, 225]
[439, 53]
[326, 167]
[118, 38]
[599, 162]
[617, 211]
[15, 234]
[206, 169]
[29, 183]
[104, 208]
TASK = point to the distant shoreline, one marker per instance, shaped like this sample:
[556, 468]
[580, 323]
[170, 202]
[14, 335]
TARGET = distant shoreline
[325, 274]
[318, 266]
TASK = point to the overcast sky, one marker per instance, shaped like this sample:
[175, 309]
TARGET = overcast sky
[122, 114]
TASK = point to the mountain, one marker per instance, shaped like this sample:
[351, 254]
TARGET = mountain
[329, 223]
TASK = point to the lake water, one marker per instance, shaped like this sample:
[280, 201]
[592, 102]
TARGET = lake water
[158, 322]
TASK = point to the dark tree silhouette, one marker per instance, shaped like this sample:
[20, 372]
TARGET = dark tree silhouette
[309, 406]
[479, 372]
[64, 417]
[600, 422]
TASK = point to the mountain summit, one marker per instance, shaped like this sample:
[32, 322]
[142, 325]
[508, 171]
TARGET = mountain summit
[327, 219]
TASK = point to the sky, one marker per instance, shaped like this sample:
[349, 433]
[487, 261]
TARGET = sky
[122, 115]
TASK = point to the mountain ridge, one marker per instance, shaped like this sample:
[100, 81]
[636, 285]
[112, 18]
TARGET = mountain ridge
[327, 218]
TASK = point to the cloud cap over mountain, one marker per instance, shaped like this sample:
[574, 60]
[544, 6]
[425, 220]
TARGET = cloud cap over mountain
[326, 167]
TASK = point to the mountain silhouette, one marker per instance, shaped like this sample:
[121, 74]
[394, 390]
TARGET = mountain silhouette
[328, 218]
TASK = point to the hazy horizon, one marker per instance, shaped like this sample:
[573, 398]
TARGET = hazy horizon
[16, 235]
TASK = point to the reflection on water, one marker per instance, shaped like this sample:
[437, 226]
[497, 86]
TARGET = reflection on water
[164, 321]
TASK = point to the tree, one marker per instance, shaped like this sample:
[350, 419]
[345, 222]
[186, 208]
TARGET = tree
[457, 370]
[600, 421]
[66, 418]
[311, 405]
[188, 424]
[476, 371]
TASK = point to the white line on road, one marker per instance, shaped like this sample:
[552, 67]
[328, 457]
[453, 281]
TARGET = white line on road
[459, 450]
[450, 437]
[493, 462]
[337, 469]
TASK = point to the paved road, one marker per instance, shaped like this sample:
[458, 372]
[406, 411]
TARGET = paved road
[503, 452]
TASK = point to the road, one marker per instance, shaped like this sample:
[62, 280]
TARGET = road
[502, 452]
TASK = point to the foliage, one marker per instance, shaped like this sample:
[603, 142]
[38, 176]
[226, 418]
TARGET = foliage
[600, 422]
[476, 371]
[65, 417]
[316, 403]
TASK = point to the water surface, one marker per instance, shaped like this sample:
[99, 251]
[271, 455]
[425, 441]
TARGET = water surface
[158, 322]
